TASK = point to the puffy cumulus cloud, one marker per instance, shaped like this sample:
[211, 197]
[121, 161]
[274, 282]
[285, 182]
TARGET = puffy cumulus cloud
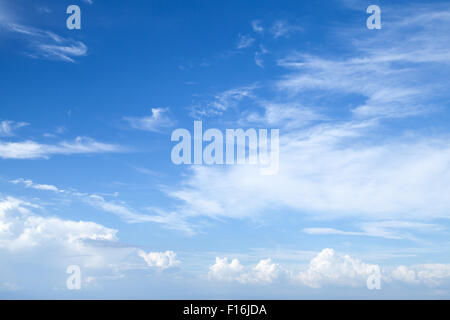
[21, 229]
[11, 203]
[403, 273]
[161, 260]
[37, 249]
[428, 274]
[266, 271]
[36, 231]
[327, 269]
[223, 270]
[330, 268]
[233, 271]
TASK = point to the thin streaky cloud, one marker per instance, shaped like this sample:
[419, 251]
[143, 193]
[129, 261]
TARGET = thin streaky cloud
[169, 220]
[44, 44]
[37, 186]
[34, 150]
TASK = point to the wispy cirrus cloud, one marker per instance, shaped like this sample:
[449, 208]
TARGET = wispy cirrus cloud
[8, 127]
[34, 150]
[169, 220]
[156, 122]
[390, 229]
[37, 186]
[245, 41]
[335, 160]
[223, 101]
[44, 44]
[281, 28]
[393, 79]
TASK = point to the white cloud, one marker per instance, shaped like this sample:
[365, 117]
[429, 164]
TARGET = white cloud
[7, 127]
[223, 270]
[387, 72]
[328, 231]
[402, 273]
[283, 29]
[343, 167]
[44, 44]
[65, 53]
[21, 229]
[390, 229]
[32, 185]
[245, 41]
[155, 123]
[259, 56]
[286, 115]
[161, 260]
[223, 101]
[264, 272]
[433, 274]
[330, 268]
[40, 247]
[169, 220]
[257, 26]
[34, 150]
[318, 175]
[44, 10]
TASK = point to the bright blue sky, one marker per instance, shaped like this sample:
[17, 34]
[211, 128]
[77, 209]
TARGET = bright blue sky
[86, 176]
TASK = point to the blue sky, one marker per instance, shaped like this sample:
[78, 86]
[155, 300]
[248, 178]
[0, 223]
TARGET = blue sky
[86, 175]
